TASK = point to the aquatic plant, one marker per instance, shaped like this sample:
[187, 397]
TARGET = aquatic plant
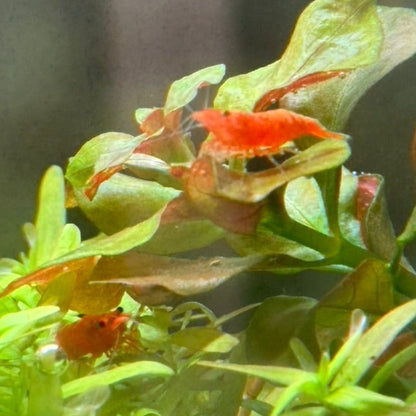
[269, 182]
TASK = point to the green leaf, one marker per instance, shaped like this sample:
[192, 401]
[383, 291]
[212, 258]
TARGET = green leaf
[304, 204]
[332, 102]
[44, 392]
[88, 402]
[101, 152]
[273, 374]
[357, 327]
[114, 375]
[50, 217]
[267, 242]
[368, 288]
[409, 232]
[377, 229]
[183, 91]
[359, 401]
[273, 324]
[329, 35]
[310, 411]
[303, 356]
[13, 325]
[242, 91]
[151, 168]
[146, 412]
[373, 343]
[110, 245]
[183, 235]
[204, 340]
[142, 113]
[69, 240]
[29, 234]
[123, 201]
[348, 223]
[332, 34]
[391, 366]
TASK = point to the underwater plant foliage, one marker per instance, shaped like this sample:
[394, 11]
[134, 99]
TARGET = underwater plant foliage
[108, 325]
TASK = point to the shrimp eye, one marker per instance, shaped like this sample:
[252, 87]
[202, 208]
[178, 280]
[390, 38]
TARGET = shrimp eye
[119, 310]
[101, 323]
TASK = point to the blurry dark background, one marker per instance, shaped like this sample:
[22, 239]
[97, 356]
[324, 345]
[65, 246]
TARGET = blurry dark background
[70, 70]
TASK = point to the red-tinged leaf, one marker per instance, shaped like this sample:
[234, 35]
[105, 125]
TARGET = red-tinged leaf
[272, 97]
[402, 341]
[95, 181]
[102, 152]
[182, 228]
[371, 209]
[154, 280]
[94, 299]
[59, 291]
[367, 188]
[369, 288]
[47, 274]
[252, 187]
[201, 189]
[166, 140]
[153, 123]
[70, 199]
[246, 135]
[179, 210]
[273, 324]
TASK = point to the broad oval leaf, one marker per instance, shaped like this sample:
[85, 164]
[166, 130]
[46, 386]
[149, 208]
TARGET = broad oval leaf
[273, 324]
[123, 201]
[182, 228]
[333, 34]
[184, 90]
[329, 35]
[156, 279]
[304, 204]
[105, 151]
[369, 288]
[333, 101]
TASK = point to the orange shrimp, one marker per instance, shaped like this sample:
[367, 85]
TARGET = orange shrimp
[272, 97]
[93, 334]
[246, 135]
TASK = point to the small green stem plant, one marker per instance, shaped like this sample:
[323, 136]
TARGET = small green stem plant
[269, 181]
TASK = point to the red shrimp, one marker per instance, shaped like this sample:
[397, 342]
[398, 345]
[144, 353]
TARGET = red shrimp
[93, 335]
[246, 135]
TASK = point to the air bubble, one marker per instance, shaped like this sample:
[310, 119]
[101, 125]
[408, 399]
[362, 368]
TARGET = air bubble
[51, 359]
